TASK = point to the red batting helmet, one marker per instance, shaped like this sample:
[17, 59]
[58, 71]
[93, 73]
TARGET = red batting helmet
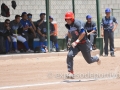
[69, 15]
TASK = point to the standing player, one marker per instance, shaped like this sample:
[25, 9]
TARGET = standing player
[108, 26]
[78, 38]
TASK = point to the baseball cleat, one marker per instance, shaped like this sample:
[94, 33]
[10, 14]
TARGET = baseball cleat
[98, 61]
[70, 76]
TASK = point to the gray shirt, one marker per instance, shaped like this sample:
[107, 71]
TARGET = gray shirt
[14, 26]
[43, 28]
[76, 28]
[108, 23]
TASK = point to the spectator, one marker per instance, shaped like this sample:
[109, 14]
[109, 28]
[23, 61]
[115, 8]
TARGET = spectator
[6, 33]
[42, 31]
[42, 18]
[30, 35]
[17, 30]
[30, 19]
[90, 26]
[27, 27]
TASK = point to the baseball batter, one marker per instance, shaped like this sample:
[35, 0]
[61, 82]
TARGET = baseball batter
[78, 38]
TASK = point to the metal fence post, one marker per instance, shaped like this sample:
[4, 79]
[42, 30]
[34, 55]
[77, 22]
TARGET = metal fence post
[48, 25]
[99, 40]
[73, 6]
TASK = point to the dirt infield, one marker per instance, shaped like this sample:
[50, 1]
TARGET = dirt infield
[48, 73]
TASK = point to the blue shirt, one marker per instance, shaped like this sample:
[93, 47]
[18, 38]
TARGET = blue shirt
[25, 23]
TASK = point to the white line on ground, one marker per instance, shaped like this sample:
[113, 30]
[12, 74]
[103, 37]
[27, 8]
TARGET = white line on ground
[51, 83]
[30, 85]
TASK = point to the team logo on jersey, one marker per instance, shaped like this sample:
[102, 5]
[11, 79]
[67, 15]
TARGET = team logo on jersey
[76, 33]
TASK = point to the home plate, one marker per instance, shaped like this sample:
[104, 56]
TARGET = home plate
[87, 80]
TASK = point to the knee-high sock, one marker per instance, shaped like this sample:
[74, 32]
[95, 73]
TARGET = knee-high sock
[7, 45]
[26, 45]
[15, 45]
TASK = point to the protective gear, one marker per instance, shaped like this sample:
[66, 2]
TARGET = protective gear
[107, 10]
[88, 17]
[14, 4]
[69, 15]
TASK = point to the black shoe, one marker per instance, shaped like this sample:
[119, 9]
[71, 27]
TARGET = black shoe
[57, 50]
[105, 55]
[112, 55]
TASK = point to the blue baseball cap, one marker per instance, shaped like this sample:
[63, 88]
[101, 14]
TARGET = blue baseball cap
[50, 17]
[42, 14]
[107, 10]
[23, 13]
[88, 17]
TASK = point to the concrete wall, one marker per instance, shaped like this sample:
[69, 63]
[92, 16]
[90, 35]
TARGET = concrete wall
[59, 7]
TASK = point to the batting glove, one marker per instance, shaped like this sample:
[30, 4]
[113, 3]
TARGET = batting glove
[74, 44]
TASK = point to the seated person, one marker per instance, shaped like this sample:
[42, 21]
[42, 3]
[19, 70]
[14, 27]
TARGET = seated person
[42, 33]
[90, 26]
[29, 15]
[41, 20]
[27, 27]
[30, 34]
[6, 33]
[17, 30]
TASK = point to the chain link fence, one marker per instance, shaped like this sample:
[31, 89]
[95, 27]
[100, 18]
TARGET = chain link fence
[116, 14]
[58, 8]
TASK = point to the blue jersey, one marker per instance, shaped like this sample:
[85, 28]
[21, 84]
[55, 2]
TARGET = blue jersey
[25, 23]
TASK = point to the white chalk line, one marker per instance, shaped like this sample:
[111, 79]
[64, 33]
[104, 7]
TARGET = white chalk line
[30, 85]
[52, 83]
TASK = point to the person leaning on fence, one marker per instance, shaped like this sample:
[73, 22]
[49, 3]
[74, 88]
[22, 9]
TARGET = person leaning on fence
[17, 30]
[5, 31]
[91, 29]
[42, 33]
[26, 27]
[108, 26]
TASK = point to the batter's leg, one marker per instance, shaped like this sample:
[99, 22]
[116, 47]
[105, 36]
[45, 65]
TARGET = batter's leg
[85, 50]
[71, 54]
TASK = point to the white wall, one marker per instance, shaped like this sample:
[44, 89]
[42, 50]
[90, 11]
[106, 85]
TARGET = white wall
[59, 7]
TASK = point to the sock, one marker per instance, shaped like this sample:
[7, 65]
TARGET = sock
[7, 45]
[56, 45]
[26, 45]
[71, 72]
[15, 45]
